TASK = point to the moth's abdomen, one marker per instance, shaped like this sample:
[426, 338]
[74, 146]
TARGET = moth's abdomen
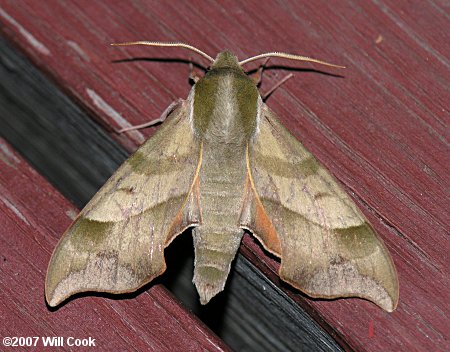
[215, 249]
[217, 238]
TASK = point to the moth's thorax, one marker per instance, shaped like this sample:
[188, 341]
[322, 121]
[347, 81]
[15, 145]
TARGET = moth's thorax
[225, 105]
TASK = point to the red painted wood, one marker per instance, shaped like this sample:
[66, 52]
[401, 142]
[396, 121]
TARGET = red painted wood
[379, 128]
[33, 216]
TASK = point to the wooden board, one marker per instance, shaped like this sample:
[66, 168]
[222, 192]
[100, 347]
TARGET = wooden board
[379, 128]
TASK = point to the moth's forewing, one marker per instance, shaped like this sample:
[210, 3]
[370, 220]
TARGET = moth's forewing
[328, 249]
[116, 244]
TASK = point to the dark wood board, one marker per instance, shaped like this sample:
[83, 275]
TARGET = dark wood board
[380, 129]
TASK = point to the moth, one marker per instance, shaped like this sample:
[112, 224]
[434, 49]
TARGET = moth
[222, 163]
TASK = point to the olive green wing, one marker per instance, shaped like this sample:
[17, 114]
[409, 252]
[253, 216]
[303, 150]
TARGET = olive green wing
[117, 242]
[300, 213]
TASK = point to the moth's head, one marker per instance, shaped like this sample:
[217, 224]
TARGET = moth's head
[226, 59]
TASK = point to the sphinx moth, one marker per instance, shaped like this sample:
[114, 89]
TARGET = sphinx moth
[222, 163]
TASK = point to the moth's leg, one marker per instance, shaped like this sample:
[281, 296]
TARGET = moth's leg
[161, 119]
[258, 77]
[193, 76]
[276, 86]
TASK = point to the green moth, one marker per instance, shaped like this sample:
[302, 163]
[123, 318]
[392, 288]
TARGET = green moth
[222, 163]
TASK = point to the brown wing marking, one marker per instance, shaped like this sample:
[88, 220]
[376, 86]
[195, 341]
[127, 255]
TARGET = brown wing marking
[255, 218]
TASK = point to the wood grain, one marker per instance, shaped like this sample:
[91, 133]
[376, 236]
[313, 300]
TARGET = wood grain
[379, 128]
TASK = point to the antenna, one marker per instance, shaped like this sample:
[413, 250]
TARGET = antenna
[180, 45]
[290, 57]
